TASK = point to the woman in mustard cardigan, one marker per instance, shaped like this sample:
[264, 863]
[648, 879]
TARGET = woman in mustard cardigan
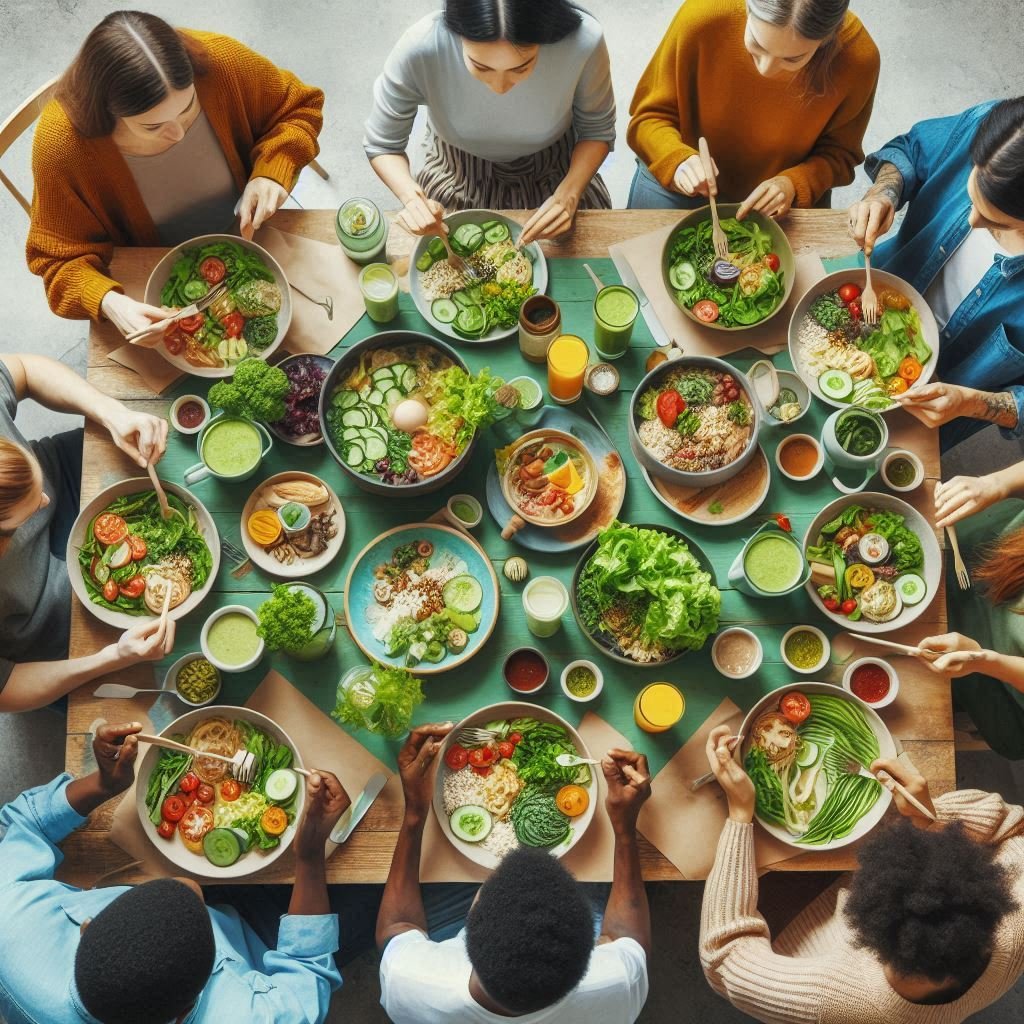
[781, 89]
[155, 136]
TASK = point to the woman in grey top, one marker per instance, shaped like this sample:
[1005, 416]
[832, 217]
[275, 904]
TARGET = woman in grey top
[520, 113]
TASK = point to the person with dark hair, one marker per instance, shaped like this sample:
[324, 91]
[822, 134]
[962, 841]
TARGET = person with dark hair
[521, 945]
[520, 113]
[153, 953]
[928, 930]
[961, 245]
[781, 89]
[157, 135]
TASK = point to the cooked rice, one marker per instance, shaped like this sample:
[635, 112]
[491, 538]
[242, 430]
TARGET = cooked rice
[441, 280]
[466, 787]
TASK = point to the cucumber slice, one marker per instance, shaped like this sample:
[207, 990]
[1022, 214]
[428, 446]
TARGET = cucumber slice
[435, 652]
[911, 588]
[385, 373]
[354, 455]
[436, 248]
[375, 397]
[470, 321]
[807, 754]
[836, 384]
[488, 224]
[443, 310]
[467, 621]
[392, 397]
[221, 847]
[351, 433]
[355, 417]
[375, 448]
[281, 785]
[244, 840]
[425, 262]
[498, 233]
[408, 379]
[461, 299]
[463, 594]
[469, 236]
[345, 399]
[471, 823]
[682, 276]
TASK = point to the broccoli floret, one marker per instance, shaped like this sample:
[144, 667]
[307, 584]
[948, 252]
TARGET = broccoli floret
[260, 331]
[256, 392]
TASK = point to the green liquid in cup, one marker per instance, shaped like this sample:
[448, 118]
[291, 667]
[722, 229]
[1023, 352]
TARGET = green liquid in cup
[615, 311]
[232, 639]
[773, 564]
[232, 448]
[859, 432]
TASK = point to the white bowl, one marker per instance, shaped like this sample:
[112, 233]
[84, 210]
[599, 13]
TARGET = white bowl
[510, 709]
[180, 858]
[178, 403]
[817, 447]
[791, 380]
[122, 620]
[598, 675]
[171, 681]
[894, 681]
[204, 644]
[903, 453]
[754, 665]
[826, 649]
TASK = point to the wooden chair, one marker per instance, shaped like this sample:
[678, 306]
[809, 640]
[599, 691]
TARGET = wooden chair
[25, 116]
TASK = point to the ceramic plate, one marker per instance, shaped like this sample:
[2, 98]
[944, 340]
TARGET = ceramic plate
[359, 597]
[299, 567]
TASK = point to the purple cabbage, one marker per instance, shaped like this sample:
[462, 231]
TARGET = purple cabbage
[306, 378]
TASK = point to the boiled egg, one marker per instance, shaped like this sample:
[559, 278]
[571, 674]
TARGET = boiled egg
[410, 414]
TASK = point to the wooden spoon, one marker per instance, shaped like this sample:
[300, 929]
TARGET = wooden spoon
[165, 509]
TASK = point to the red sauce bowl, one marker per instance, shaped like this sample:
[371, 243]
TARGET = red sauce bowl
[872, 680]
[525, 670]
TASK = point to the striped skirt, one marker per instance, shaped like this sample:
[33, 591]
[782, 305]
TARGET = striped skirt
[460, 181]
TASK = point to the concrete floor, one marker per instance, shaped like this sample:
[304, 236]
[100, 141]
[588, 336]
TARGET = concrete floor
[937, 57]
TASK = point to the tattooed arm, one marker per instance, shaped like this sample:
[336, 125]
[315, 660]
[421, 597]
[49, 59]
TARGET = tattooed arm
[937, 403]
[874, 214]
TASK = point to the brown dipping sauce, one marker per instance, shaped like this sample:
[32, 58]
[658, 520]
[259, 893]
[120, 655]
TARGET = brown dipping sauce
[190, 415]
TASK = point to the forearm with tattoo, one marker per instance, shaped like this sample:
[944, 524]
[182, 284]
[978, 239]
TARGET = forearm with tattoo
[997, 408]
[888, 185]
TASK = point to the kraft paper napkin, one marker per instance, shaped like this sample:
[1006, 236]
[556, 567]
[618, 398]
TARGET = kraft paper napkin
[684, 825]
[590, 860]
[644, 255]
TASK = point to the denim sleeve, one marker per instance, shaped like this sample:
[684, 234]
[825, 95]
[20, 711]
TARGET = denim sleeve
[1015, 433]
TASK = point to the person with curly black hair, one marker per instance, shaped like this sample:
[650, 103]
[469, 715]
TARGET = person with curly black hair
[527, 949]
[930, 928]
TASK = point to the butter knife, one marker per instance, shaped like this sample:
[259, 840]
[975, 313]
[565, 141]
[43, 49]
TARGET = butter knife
[629, 279]
[346, 824]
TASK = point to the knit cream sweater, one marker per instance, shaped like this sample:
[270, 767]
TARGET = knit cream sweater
[813, 972]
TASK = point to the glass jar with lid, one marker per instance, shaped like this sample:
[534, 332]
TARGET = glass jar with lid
[540, 322]
[362, 230]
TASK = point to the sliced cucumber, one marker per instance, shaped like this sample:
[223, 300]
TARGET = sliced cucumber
[345, 399]
[436, 248]
[807, 754]
[354, 417]
[471, 823]
[375, 397]
[435, 652]
[443, 310]
[463, 594]
[468, 621]
[469, 236]
[408, 379]
[461, 299]
[836, 384]
[354, 455]
[375, 448]
[350, 433]
[281, 785]
[244, 839]
[470, 322]
[911, 588]
[498, 233]
[488, 224]
[682, 276]
[221, 847]
[425, 262]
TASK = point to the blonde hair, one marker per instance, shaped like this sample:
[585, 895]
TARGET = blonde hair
[18, 468]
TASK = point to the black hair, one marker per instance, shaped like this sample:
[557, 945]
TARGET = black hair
[145, 956]
[928, 903]
[530, 933]
[520, 22]
[997, 153]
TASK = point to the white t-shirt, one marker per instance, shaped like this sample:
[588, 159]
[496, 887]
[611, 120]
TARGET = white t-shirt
[961, 273]
[424, 982]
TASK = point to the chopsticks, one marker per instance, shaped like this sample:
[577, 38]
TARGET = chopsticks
[913, 652]
[894, 786]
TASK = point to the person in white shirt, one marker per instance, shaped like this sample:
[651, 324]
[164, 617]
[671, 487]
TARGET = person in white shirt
[527, 950]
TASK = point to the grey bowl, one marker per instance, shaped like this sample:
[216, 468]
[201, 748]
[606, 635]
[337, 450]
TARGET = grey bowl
[687, 478]
[341, 369]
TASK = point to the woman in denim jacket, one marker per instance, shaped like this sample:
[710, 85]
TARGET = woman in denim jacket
[961, 244]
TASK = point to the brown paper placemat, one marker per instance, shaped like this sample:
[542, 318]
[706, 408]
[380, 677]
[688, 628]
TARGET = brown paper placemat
[590, 860]
[644, 255]
[320, 741]
[684, 825]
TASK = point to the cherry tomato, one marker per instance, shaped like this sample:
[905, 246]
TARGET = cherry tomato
[111, 591]
[910, 369]
[483, 772]
[481, 757]
[174, 807]
[233, 324]
[138, 546]
[109, 529]
[212, 270]
[506, 749]
[191, 324]
[230, 790]
[670, 404]
[832, 604]
[189, 782]
[848, 606]
[205, 793]
[515, 738]
[795, 706]
[165, 830]
[772, 261]
[849, 292]
[706, 311]
[175, 340]
[855, 311]
[457, 757]
[133, 588]
[783, 522]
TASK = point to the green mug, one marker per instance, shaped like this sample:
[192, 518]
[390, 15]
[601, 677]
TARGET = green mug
[231, 448]
[854, 439]
[771, 564]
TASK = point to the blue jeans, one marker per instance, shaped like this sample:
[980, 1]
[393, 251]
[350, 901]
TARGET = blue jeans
[647, 193]
[67, 447]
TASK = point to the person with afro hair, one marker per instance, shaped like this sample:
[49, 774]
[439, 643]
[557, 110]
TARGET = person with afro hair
[930, 928]
[153, 953]
[522, 945]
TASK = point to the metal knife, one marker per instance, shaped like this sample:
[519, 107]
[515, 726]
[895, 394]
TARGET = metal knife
[346, 824]
[629, 279]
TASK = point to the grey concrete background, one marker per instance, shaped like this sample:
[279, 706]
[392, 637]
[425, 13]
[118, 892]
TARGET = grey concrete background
[938, 56]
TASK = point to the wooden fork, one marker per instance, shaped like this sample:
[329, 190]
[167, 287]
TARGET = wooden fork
[868, 299]
[963, 577]
[718, 239]
[165, 509]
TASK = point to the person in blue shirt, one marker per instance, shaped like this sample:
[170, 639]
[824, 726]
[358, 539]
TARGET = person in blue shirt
[961, 245]
[153, 953]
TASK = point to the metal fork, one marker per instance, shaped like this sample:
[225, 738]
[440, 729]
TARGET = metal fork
[245, 765]
[718, 239]
[199, 306]
[868, 299]
[457, 263]
[963, 577]
[854, 767]
[242, 562]
[472, 737]
[327, 303]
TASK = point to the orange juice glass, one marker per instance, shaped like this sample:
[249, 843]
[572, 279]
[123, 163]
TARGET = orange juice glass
[567, 363]
[658, 707]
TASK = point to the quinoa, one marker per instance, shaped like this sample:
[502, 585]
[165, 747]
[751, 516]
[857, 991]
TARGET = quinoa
[441, 280]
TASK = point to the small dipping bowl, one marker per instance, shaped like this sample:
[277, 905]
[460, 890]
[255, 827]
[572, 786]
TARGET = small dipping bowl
[826, 650]
[788, 379]
[802, 439]
[582, 663]
[194, 421]
[468, 506]
[299, 515]
[204, 641]
[894, 682]
[896, 455]
[171, 680]
[720, 653]
[602, 379]
[529, 662]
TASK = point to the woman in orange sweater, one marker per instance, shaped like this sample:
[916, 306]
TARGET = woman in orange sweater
[157, 135]
[781, 89]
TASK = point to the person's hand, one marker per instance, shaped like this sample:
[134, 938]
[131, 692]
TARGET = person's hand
[915, 783]
[629, 785]
[773, 198]
[415, 760]
[951, 654]
[422, 216]
[146, 641]
[115, 749]
[690, 178]
[869, 219]
[935, 404]
[326, 801]
[963, 496]
[140, 436]
[553, 217]
[130, 315]
[739, 790]
[261, 199]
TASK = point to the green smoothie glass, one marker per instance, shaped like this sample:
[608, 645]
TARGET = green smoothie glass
[362, 230]
[615, 312]
[379, 287]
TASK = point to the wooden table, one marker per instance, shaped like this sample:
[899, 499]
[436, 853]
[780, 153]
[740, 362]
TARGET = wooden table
[921, 718]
